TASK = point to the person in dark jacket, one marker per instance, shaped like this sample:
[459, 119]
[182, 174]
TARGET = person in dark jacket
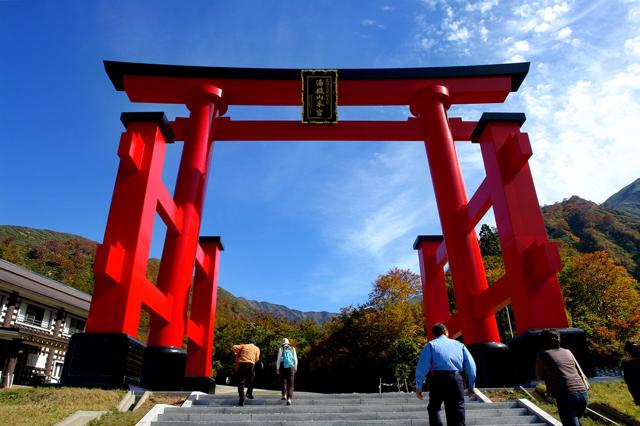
[631, 369]
[564, 379]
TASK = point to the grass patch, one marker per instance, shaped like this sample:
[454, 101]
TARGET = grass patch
[47, 406]
[115, 418]
[612, 394]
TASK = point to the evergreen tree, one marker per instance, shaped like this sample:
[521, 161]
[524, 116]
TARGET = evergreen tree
[489, 243]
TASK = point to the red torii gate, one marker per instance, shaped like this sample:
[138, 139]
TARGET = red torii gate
[108, 353]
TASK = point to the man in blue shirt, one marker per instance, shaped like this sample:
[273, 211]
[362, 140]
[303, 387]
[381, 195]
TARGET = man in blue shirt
[442, 361]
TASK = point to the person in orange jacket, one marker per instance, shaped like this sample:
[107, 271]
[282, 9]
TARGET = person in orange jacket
[246, 357]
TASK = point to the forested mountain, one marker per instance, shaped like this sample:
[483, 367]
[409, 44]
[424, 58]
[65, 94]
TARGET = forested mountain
[288, 313]
[69, 258]
[627, 199]
[588, 227]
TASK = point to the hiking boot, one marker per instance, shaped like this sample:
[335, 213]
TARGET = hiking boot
[283, 398]
[250, 396]
[241, 403]
[288, 401]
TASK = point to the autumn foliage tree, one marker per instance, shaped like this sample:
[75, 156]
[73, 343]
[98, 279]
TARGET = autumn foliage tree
[602, 298]
[379, 339]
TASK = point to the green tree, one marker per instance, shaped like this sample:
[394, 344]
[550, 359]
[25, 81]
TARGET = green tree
[489, 242]
[403, 355]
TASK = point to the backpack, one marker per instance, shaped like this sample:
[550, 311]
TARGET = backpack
[288, 360]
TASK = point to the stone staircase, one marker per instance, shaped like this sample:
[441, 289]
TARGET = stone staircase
[398, 409]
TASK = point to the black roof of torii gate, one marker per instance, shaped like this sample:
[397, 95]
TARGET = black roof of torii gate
[117, 70]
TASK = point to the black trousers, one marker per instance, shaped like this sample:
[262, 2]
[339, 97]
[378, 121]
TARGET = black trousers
[288, 377]
[246, 374]
[448, 388]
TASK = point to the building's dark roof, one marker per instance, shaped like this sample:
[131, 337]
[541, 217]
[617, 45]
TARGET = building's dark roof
[33, 285]
[117, 70]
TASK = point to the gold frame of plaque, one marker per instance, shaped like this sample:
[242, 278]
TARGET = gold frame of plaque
[319, 96]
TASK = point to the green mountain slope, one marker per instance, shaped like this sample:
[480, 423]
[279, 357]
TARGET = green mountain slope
[69, 258]
[282, 311]
[63, 257]
[627, 199]
[589, 227]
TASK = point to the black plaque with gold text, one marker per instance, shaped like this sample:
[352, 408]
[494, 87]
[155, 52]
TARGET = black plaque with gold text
[319, 96]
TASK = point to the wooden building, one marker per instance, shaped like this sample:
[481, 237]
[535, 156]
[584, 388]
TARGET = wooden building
[38, 315]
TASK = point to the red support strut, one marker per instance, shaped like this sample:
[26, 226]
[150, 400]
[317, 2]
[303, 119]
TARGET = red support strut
[435, 300]
[531, 261]
[121, 260]
[201, 324]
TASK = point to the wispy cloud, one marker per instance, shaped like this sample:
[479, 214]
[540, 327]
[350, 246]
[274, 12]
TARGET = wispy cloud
[581, 96]
[481, 6]
[371, 23]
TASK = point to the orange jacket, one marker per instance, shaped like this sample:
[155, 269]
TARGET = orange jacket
[247, 353]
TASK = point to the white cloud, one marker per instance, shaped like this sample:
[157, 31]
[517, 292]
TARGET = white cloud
[484, 32]
[454, 29]
[515, 49]
[460, 34]
[552, 13]
[427, 43]
[523, 10]
[632, 45]
[564, 33]
[387, 8]
[580, 94]
[482, 6]
[431, 4]
[583, 138]
[634, 14]
[539, 19]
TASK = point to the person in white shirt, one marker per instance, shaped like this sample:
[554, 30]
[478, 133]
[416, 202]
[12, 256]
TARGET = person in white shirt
[286, 367]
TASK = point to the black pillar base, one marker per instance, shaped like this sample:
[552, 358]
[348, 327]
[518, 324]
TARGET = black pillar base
[164, 368]
[493, 362]
[105, 360]
[202, 384]
[525, 347]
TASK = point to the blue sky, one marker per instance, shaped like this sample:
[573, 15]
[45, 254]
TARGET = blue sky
[311, 224]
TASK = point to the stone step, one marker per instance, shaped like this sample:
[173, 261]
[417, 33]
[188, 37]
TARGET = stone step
[341, 396]
[226, 401]
[390, 395]
[513, 422]
[299, 416]
[399, 409]
[296, 407]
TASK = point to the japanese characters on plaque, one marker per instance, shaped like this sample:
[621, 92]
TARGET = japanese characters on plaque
[319, 96]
